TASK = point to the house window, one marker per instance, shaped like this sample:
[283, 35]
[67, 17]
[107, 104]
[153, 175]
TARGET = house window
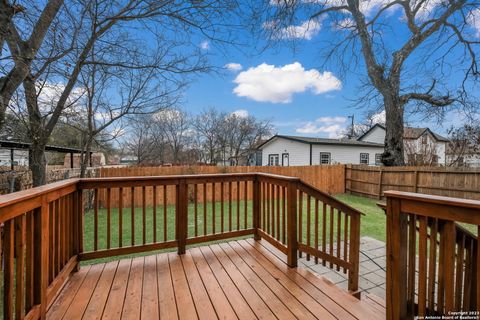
[273, 160]
[364, 158]
[424, 139]
[285, 160]
[325, 158]
[378, 159]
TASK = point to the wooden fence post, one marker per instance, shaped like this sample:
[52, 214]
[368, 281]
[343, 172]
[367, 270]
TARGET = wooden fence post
[415, 186]
[396, 261]
[292, 244]
[256, 207]
[380, 178]
[181, 215]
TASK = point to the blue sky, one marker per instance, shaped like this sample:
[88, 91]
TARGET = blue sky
[291, 89]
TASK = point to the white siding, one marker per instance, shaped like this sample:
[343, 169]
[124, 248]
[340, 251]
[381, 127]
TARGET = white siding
[298, 152]
[344, 154]
[376, 135]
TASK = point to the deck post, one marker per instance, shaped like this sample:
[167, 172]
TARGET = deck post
[256, 207]
[396, 261]
[292, 244]
[78, 227]
[181, 215]
[354, 254]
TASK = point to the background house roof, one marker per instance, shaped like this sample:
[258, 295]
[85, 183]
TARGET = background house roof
[409, 133]
[310, 140]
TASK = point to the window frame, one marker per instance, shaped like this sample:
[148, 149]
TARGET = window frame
[368, 158]
[273, 155]
[288, 159]
[329, 157]
[378, 161]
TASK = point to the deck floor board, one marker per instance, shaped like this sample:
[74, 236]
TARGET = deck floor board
[242, 279]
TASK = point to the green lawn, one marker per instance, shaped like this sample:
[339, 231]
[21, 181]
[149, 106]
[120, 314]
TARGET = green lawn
[372, 224]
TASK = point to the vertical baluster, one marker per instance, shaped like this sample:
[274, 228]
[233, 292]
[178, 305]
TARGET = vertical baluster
[154, 213]
[284, 215]
[8, 273]
[432, 265]
[292, 241]
[309, 216]
[165, 206]
[332, 217]
[422, 266]
[449, 233]
[279, 235]
[468, 282]
[144, 215]
[264, 207]
[477, 266]
[345, 241]
[29, 265]
[245, 202]
[204, 209]
[300, 219]
[324, 231]
[238, 205]
[58, 223]
[52, 243]
[412, 231]
[120, 217]
[195, 210]
[222, 211]
[339, 233]
[315, 235]
[272, 203]
[109, 216]
[214, 204]
[441, 272]
[132, 214]
[20, 265]
[459, 270]
[230, 206]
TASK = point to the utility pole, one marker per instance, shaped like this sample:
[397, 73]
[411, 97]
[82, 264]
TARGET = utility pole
[352, 130]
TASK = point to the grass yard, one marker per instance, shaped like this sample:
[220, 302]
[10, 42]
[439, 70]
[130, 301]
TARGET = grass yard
[372, 224]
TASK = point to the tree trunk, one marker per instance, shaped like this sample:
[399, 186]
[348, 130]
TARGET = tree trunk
[38, 164]
[393, 154]
[85, 158]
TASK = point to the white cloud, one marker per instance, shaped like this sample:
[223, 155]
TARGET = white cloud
[241, 113]
[307, 30]
[333, 127]
[473, 19]
[205, 45]
[268, 83]
[232, 66]
[379, 117]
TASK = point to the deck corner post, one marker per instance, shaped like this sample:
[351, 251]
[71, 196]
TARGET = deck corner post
[256, 207]
[354, 254]
[292, 243]
[396, 301]
[181, 215]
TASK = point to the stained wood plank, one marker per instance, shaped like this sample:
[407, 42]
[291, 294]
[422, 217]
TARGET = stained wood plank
[166, 296]
[183, 297]
[84, 293]
[133, 295]
[99, 298]
[205, 256]
[66, 296]
[116, 297]
[274, 303]
[150, 306]
[203, 305]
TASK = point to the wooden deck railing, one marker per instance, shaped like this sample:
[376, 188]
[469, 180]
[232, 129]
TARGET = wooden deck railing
[47, 231]
[432, 261]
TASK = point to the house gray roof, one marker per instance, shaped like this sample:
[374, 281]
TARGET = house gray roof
[311, 140]
[409, 133]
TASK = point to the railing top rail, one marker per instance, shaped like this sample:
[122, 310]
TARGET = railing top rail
[427, 198]
[19, 196]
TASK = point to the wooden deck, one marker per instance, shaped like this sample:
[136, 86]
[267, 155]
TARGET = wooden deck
[243, 279]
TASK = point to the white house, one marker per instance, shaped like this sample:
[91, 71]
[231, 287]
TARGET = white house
[283, 150]
[421, 145]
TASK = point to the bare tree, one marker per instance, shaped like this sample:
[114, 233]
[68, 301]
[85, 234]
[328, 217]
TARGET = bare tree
[464, 143]
[24, 38]
[400, 66]
[421, 152]
[140, 142]
[110, 30]
[207, 125]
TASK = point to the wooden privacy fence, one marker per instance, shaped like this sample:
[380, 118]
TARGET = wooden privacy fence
[450, 182]
[45, 228]
[329, 179]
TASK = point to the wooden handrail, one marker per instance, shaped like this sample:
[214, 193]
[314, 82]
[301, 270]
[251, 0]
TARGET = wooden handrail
[425, 241]
[44, 226]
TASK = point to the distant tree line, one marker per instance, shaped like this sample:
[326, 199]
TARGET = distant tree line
[173, 136]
